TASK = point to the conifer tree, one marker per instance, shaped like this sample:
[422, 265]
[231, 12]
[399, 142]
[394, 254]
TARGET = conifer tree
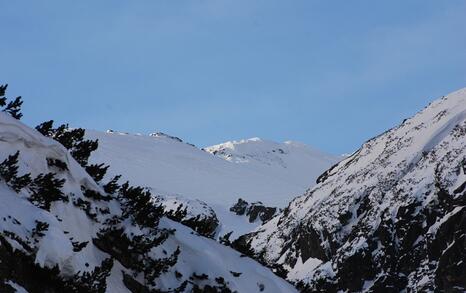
[2, 95]
[112, 186]
[71, 139]
[9, 173]
[137, 202]
[9, 167]
[13, 107]
[46, 189]
[19, 182]
[46, 128]
[92, 282]
[97, 171]
[82, 151]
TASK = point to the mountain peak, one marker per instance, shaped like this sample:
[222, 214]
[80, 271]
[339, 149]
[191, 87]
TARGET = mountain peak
[389, 205]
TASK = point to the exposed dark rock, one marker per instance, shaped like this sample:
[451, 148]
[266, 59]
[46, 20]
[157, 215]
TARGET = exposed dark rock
[451, 270]
[389, 218]
[308, 244]
[253, 211]
[259, 210]
[240, 207]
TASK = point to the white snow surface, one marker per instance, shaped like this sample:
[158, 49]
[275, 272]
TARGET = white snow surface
[69, 223]
[172, 167]
[254, 169]
[409, 157]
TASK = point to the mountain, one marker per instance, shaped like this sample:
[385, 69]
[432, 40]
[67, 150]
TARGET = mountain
[272, 173]
[390, 217]
[61, 231]
[295, 162]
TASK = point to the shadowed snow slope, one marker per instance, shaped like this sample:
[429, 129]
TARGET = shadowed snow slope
[392, 215]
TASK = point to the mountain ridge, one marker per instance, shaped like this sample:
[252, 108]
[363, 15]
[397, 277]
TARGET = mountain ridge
[177, 170]
[370, 222]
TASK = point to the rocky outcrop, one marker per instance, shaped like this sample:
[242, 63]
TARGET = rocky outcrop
[253, 211]
[389, 218]
[193, 213]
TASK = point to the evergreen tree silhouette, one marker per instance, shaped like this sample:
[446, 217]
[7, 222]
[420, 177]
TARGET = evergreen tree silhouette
[13, 107]
[46, 189]
[9, 173]
[97, 171]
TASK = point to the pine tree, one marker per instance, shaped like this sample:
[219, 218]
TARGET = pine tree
[9, 173]
[9, 167]
[46, 189]
[95, 195]
[112, 186]
[2, 95]
[97, 171]
[71, 139]
[137, 202]
[13, 107]
[20, 182]
[155, 267]
[92, 282]
[40, 228]
[82, 151]
[46, 128]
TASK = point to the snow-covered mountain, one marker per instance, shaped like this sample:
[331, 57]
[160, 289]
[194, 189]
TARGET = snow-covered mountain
[254, 169]
[61, 231]
[391, 217]
[295, 162]
[272, 173]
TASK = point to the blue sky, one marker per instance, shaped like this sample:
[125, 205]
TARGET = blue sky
[328, 73]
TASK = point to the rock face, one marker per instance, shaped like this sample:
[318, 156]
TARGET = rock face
[195, 214]
[253, 211]
[390, 217]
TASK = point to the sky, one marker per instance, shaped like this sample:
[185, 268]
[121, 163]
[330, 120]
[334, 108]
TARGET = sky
[331, 74]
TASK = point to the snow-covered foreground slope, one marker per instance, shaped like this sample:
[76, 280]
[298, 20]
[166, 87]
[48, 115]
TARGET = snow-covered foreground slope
[388, 218]
[87, 242]
[257, 170]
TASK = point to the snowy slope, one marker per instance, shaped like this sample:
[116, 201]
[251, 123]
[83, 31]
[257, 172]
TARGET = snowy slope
[173, 167]
[392, 215]
[25, 254]
[296, 162]
[265, 171]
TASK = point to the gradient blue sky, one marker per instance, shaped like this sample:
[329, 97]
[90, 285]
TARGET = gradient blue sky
[328, 73]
